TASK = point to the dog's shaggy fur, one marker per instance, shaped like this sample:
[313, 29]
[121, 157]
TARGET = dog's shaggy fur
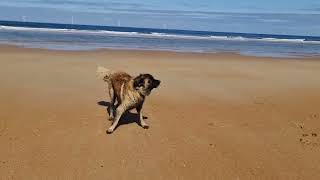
[128, 92]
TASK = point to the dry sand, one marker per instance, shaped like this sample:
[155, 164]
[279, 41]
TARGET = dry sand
[215, 116]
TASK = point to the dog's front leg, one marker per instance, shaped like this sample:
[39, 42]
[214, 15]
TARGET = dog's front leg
[120, 110]
[142, 122]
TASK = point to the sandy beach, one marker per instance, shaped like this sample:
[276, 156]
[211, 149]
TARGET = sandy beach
[215, 116]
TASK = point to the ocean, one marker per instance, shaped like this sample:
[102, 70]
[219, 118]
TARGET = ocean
[87, 37]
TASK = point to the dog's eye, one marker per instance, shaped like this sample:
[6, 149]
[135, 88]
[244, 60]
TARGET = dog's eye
[141, 83]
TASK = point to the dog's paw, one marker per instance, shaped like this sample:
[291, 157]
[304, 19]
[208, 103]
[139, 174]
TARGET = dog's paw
[110, 131]
[145, 126]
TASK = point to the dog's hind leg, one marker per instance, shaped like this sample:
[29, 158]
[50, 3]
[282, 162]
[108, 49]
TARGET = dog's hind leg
[112, 103]
[142, 122]
[120, 110]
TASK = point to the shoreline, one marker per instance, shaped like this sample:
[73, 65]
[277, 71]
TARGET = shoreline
[235, 54]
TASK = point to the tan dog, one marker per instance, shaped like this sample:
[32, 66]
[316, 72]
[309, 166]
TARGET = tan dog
[129, 93]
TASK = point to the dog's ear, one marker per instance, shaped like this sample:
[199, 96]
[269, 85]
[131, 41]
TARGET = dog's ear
[138, 81]
[155, 83]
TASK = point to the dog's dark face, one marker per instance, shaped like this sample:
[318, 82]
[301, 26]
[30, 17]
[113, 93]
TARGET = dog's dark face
[144, 83]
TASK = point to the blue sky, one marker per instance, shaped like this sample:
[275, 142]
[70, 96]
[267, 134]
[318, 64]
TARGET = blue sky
[300, 17]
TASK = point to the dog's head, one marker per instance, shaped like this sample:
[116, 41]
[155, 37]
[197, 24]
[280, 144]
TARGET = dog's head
[144, 83]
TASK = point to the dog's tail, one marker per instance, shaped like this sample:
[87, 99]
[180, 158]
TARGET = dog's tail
[103, 73]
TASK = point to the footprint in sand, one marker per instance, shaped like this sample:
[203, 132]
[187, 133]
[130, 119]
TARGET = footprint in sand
[310, 139]
[314, 116]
